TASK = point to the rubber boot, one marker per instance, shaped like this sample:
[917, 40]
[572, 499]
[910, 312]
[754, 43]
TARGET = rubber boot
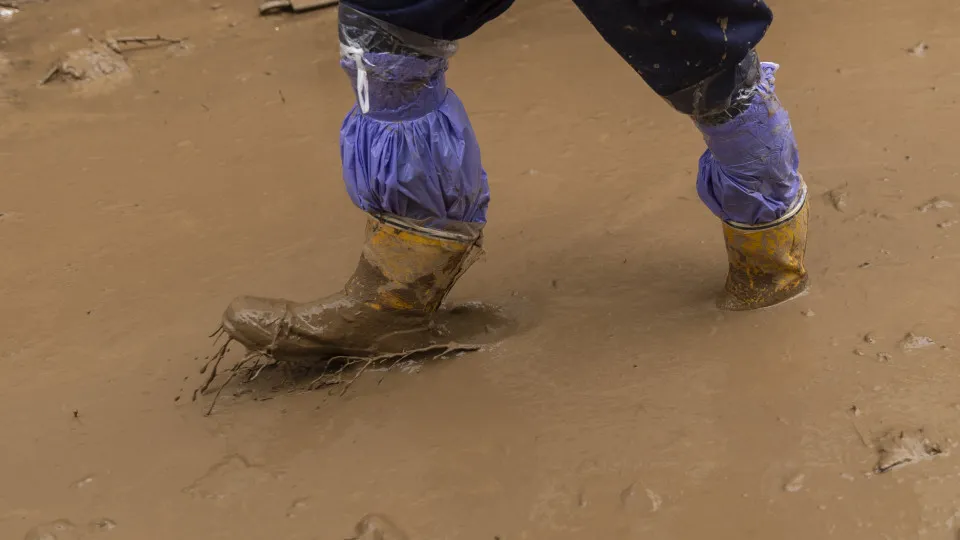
[766, 261]
[404, 273]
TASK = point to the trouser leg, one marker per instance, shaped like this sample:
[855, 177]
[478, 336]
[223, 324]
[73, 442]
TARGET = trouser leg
[699, 56]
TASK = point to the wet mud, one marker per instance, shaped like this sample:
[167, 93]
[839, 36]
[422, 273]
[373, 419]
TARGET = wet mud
[609, 399]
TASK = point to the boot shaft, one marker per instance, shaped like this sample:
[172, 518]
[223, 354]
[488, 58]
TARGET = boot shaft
[407, 267]
[766, 262]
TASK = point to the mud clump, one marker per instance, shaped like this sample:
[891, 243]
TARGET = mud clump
[795, 484]
[98, 65]
[377, 527]
[904, 448]
[838, 199]
[912, 342]
[102, 525]
[936, 203]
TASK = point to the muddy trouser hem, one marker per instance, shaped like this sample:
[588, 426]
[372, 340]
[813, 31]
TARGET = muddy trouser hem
[698, 56]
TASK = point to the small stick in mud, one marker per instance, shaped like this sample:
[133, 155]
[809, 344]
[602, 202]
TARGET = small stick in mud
[146, 41]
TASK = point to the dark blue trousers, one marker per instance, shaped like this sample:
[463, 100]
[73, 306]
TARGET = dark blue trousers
[675, 45]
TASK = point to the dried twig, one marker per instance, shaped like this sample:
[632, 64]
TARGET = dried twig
[856, 427]
[145, 41]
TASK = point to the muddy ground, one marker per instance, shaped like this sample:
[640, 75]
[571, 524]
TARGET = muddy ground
[627, 407]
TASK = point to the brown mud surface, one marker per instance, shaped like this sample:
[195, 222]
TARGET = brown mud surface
[135, 208]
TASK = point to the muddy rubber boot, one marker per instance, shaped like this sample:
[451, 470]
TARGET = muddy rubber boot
[405, 272]
[766, 261]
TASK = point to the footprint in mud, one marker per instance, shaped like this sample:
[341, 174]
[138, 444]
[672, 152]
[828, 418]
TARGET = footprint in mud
[232, 475]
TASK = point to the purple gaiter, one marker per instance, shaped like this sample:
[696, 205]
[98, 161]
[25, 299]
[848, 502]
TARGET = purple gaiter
[749, 173]
[412, 152]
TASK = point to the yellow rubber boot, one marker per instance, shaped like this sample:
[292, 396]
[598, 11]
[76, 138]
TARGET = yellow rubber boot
[766, 261]
[405, 272]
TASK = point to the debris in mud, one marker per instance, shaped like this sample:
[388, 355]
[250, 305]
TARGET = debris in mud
[102, 525]
[655, 500]
[98, 62]
[377, 527]
[884, 357]
[795, 484]
[82, 483]
[272, 7]
[808, 313]
[855, 413]
[8, 11]
[296, 505]
[901, 448]
[936, 203]
[870, 338]
[947, 224]
[912, 342]
[118, 44]
[919, 50]
[858, 352]
[838, 198]
[410, 367]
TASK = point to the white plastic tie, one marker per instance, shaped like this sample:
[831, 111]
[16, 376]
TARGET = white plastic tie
[363, 85]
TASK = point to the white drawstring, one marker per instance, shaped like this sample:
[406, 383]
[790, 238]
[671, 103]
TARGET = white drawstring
[363, 86]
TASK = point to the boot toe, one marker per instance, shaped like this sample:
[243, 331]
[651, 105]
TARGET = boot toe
[254, 321]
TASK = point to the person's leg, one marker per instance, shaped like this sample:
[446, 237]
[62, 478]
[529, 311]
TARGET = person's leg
[699, 56]
[411, 161]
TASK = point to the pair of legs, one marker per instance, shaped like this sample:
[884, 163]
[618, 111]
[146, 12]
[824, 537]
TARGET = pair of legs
[411, 160]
